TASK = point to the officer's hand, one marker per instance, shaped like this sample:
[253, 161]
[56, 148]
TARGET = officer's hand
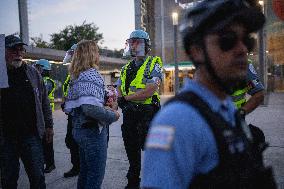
[121, 102]
[49, 135]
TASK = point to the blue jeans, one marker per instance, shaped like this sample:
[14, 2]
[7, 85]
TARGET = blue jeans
[30, 151]
[93, 154]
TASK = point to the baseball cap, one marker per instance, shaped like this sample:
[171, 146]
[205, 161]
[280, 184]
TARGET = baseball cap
[12, 40]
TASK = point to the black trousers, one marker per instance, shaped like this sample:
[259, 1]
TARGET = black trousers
[72, 145]
[48, 152]
[136, 121]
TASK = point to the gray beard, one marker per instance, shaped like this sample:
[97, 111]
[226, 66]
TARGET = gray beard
[16, 63]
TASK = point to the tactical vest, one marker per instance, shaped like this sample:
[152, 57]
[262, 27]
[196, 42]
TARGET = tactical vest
[65, 86]
[239, 97]
[240, 163]
[50, 93]
[139, 82]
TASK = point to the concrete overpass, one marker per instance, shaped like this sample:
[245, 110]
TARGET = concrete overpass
[107, 64]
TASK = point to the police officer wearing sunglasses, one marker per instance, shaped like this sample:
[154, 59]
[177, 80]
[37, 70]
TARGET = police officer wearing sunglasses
[199, 140]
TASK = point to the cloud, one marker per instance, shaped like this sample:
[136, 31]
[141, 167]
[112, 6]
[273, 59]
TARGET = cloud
[58, 8]
[54, 15]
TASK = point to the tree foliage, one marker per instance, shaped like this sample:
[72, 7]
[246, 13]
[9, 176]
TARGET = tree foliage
[111, 53]
[73, 34]
[39, 42]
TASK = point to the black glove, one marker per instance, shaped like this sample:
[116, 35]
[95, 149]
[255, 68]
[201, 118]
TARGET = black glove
[62, 106]
[121, 102]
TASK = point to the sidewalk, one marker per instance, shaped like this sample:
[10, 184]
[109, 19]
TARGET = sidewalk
[268, 117]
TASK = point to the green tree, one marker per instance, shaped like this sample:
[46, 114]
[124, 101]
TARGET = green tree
[39, 42]
[111, 53]
[73, 34]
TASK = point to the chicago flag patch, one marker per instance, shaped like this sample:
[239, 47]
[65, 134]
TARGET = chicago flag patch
[160, 137]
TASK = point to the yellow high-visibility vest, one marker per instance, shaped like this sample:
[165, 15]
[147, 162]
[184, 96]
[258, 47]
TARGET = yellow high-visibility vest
[51, 93]
[239, 97]
[65, 86]
[137, 82]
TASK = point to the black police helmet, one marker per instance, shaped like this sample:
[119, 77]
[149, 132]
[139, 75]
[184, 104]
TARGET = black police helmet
[214, 15]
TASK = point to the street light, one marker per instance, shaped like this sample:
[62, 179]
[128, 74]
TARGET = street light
[175, 24]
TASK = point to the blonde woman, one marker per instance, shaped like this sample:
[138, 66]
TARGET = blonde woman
[85, 101]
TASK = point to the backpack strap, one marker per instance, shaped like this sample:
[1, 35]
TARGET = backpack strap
[222, 130]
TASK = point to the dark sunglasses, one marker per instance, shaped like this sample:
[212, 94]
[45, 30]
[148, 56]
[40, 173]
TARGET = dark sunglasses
[228, 40]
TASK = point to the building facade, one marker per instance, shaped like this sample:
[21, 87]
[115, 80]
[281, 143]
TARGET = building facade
[155, 17]
[274, 31]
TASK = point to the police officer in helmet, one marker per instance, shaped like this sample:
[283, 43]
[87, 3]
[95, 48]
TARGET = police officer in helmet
[199, 140]
[69, 140]
[138, 98]
[44, 68]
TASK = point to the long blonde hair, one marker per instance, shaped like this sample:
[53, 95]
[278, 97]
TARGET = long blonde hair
[86, 56]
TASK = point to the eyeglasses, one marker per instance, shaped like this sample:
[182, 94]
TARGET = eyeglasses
[228, 40]
[15, 50]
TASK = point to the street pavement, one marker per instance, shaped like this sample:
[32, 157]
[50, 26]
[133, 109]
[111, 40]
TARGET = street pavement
[269, 117]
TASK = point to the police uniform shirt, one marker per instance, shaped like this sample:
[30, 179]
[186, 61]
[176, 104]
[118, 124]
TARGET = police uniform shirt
[254, 84]
[180, 143]
[155, 76]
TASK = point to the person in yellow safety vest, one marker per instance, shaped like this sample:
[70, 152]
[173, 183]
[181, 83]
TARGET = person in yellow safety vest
[44, 68]
[138, 98]
[65, 86]
[69, 140]
[48, 81]
[255, 90]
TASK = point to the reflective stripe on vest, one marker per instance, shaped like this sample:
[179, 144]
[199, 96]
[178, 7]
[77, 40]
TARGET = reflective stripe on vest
[239, 97]
[65, 86]
[139, 81]
[51, 93]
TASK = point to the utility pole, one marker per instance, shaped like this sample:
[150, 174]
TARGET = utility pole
[24, 22]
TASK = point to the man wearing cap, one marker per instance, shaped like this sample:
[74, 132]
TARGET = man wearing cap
[27, 117]
[199, 140]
